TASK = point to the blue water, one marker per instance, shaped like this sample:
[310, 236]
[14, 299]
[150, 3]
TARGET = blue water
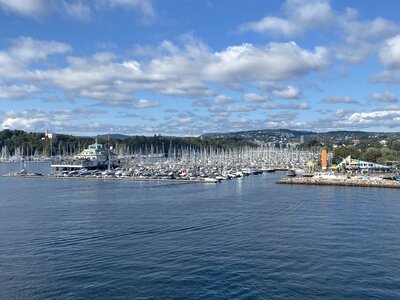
[240, 239]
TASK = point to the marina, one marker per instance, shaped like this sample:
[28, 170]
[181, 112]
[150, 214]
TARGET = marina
[193, 165]
[215, 165]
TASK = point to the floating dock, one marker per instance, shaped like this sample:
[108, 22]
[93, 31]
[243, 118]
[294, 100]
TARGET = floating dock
[356, 182]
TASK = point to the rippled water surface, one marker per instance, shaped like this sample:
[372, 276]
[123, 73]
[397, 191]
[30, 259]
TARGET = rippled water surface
[240, 239]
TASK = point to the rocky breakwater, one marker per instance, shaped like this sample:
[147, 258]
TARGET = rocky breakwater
[343, 181]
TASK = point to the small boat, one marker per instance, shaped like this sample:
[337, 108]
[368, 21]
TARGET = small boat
[291, 173]
[210, 180]
[270, 170]
[23, 172]
[308, 175]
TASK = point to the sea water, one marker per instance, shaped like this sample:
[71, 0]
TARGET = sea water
[245, 238]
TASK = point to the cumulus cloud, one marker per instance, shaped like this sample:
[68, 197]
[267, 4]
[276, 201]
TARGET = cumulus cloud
[181, 71]
[383, 97]
[290, 92]
[273, 25]
[222, 99]
[144, 5]
[274, 62]
[143, 103]
[282, 117]
[362, 38]
[300, 16]
[359, 38]
[390, 53]
[384, 118]
[31, 8]
[253, 97]
[386, 76]
[12, 92]
[75, 9]
[26, 49]
[38, 120]
[218, 100]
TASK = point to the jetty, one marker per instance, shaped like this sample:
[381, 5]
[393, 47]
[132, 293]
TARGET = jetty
[356, 181]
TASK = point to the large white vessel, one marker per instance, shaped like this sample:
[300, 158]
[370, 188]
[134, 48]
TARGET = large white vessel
[93, 157]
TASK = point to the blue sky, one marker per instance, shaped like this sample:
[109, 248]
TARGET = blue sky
[188, 67]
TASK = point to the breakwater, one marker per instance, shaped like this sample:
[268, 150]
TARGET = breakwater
[352, 181]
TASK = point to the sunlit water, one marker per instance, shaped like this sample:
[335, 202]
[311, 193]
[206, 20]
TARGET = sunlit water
[239, 239]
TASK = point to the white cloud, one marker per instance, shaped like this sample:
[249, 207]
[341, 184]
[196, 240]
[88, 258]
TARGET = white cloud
[38, 120]
[186, 71]
[290, 92]
[274, 25]
[363, 38]
[390, 53]
[13, 92]
[77, 10]
[222, 99]
[253, 97]
[383, 97]
[357, 39]
[388, 118]
[144, 5]
[143, 103]
[386, 76]
[274, 62]
[282, 117]
[26, 49]
[374, 30]
[31, 8]
[301, 15]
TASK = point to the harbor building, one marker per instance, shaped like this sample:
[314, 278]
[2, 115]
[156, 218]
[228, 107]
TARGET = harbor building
[93, 157]
[352, 164]
[304, 138]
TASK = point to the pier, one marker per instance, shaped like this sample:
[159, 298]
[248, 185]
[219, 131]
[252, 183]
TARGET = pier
[358, 181]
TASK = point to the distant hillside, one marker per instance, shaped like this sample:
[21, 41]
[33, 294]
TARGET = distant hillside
[259, 134]
[115, 136]
[284, 135]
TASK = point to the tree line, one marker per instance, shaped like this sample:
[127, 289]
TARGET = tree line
[18, 142]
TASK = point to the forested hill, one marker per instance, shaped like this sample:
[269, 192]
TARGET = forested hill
[276, 135]
[17, 142]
